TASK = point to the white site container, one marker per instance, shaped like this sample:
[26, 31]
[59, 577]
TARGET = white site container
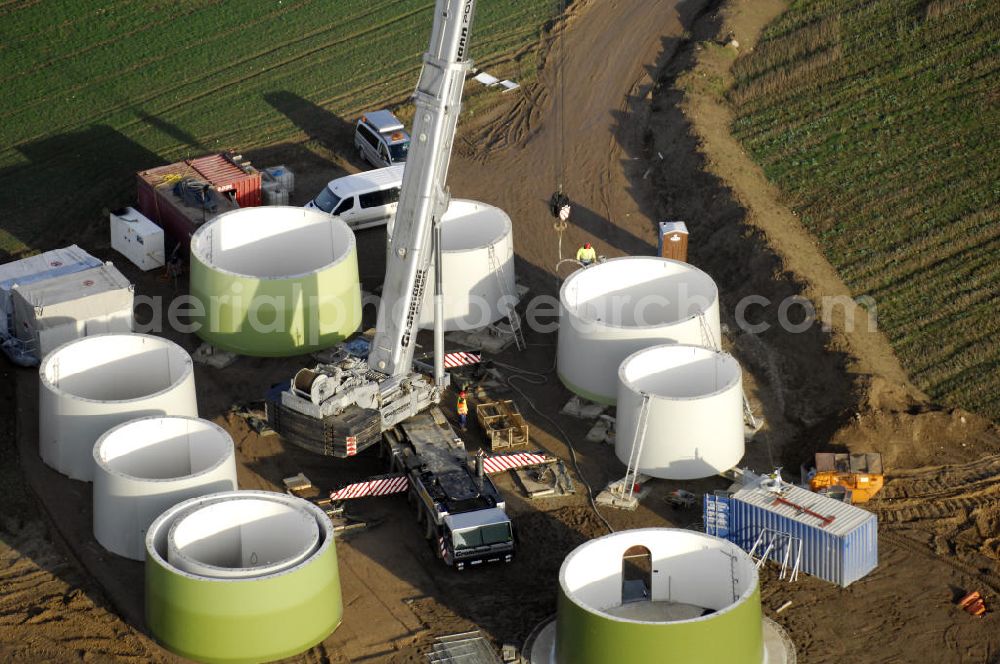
[477, 251]
[55, 263]
[90, 385]
[137, 238]
[612, 309]
[148, 464]
[695, 417]
[54, 311]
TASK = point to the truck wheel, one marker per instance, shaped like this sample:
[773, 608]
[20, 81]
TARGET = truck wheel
[429, 528]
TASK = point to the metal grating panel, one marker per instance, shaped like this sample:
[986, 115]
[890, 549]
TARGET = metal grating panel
[464, 648]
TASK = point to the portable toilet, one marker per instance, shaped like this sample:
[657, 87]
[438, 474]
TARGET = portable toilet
[673, 240]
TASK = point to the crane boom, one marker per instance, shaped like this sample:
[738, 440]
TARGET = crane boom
[424, 196]
[342, 406]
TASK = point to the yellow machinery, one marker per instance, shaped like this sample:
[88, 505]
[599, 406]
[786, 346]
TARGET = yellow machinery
[853, 478]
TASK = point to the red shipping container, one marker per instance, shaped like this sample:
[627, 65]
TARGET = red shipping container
[178, 220]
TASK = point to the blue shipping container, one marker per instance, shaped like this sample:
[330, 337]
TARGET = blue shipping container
[841, 550]
[716, 515]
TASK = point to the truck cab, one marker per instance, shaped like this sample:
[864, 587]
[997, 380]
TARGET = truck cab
[462, 511]
[381, 139]
[473, 538]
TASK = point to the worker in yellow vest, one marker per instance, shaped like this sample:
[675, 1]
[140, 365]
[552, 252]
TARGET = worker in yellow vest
[462, 408]
[586, 254]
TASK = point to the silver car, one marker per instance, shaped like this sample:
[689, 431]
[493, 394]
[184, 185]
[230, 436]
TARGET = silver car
[381, 139]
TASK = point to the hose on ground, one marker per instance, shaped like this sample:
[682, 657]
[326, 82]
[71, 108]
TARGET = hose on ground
[539, 378]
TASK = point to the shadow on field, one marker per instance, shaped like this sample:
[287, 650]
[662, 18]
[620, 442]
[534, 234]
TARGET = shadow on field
[173, 131]
[57, 197]
[319, 124]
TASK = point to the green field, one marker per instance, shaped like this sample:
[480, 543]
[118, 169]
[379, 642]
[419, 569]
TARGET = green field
[94, 90]
[880, 121]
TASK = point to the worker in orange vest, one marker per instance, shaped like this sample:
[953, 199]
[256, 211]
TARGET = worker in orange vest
[586, 254]
[462, 408]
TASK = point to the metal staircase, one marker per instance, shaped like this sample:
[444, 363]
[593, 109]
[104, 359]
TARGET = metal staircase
[637, 444]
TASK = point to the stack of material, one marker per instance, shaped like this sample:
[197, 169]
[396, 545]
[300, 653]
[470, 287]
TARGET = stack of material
[51, 312]
[278, 185]
[467, 648]
[503, 425]
[43, 266]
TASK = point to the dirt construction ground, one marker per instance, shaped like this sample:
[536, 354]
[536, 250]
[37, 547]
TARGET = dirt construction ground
[634, 132]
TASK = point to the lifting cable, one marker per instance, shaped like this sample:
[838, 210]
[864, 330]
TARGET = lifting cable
[560, 101]
[559, 105]
[560, 225]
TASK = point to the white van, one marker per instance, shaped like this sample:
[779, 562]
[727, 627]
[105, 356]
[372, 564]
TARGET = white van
[362, 200]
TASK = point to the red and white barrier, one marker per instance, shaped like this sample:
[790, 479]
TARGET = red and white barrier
[376, 486]
[460, 359]
[501, 462]
[385, 485]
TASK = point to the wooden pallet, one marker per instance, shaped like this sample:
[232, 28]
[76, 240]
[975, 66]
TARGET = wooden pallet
[503, 424]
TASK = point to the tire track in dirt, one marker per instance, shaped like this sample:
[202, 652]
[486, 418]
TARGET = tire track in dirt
[18, 5]
[46, 612]
[928, 495]
[37, 66]
[937, 510]
[944, 481]
[977, 575]
[50, 27]
[163, 55]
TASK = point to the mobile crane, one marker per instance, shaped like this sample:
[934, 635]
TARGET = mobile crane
[344, 406]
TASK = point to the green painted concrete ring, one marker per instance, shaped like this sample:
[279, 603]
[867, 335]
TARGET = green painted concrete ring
[255, 619]
[690, 568]
[274, 281]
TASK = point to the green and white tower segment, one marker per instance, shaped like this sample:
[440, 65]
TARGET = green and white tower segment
[242, 576]
[659, 595]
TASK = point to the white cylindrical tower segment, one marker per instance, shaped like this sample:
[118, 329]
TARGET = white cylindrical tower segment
[694, 426]
[610, 310]
[477, 242]
[146, 465]
[91, 384]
